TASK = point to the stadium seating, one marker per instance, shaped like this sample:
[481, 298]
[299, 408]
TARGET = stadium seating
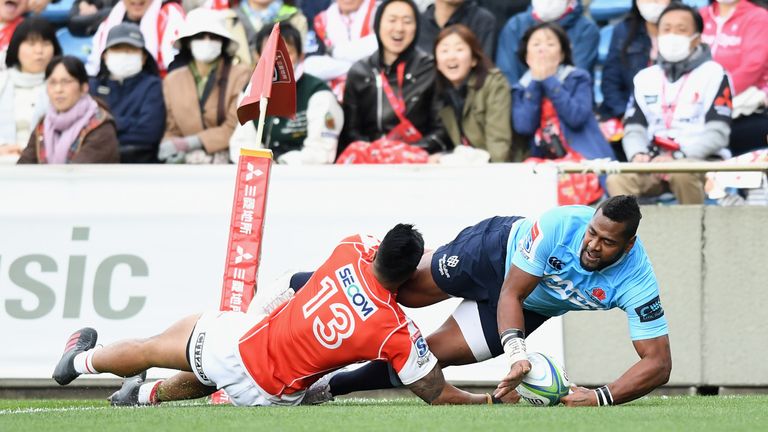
[597, 92]
[606, 10]
[605, 43]
[78, 46]
[696, 3]
[57, 13]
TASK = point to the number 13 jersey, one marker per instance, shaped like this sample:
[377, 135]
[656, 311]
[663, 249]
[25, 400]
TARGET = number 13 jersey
[341, 316]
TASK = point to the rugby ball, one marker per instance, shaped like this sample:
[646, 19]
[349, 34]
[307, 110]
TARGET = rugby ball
[546, 383]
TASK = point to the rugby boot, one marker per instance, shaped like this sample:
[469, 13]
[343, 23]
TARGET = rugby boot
[320, 392]
[80, 341]
[128, 395]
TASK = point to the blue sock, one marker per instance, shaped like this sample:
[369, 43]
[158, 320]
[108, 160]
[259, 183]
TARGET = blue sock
[375, 375]
[298, 280]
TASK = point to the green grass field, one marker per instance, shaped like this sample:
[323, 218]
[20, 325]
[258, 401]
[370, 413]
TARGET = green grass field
[682, 413]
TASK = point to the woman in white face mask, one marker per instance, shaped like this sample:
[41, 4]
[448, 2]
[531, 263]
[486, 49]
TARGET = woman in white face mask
[201, 92]
[633, 48]
[129, 83]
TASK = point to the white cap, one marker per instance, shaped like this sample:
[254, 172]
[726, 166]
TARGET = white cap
[203, 20]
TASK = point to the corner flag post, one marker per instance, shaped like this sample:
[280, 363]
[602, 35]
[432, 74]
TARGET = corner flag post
[273, 73]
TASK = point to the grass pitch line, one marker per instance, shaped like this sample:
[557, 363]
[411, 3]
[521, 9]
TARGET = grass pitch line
[49, 410]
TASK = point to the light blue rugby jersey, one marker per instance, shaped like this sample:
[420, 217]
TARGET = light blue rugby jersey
[550, 248]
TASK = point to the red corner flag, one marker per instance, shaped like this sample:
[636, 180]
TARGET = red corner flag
[274, 73]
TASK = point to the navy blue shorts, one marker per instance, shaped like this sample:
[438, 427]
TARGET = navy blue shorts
[472, 267]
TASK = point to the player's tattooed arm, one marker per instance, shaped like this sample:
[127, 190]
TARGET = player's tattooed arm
[429, 387]
[433, 390]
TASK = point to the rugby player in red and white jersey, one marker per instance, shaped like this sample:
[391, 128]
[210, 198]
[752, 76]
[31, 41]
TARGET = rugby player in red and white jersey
[345, 314]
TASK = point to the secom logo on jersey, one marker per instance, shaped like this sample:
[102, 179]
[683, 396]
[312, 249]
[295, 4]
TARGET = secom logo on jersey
[357, 296]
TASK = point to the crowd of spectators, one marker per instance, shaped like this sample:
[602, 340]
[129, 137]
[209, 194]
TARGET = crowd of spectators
[449, 81]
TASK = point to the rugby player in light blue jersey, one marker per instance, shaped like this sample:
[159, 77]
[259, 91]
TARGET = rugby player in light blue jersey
[514, 274]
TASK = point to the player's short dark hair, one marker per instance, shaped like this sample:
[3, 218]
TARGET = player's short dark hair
[289, 33]
[698, 21]
[399, 254]
[624, 209]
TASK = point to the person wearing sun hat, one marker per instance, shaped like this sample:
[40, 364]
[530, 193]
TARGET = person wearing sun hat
[129, 83]
[201, 92]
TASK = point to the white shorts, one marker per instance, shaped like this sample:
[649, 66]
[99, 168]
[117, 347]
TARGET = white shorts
[215, 359]
[467, 316]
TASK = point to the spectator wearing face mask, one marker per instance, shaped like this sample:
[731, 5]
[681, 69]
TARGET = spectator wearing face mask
[569, 14]
[735, 33]
[681, 109]
[633, 48]
[201, 96]
[309, 137]
[159, 21]
[130, 85]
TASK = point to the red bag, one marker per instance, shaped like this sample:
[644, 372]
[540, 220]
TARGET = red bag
[574, 188]
[382, 151]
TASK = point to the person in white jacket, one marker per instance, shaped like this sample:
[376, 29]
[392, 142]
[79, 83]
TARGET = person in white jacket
[345, 30]
[311, 136]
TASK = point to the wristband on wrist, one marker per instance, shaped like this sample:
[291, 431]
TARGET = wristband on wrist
[511, 333]
[514, 345]
[604, 396]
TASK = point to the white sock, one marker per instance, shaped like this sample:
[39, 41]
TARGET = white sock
[148, 393]
[83, 362]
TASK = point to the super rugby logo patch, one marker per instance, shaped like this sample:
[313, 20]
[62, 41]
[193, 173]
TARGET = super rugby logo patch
[420, 345]
[358, 298]
[531, 242]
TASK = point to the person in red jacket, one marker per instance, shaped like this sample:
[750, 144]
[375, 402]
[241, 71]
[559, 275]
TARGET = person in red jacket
[734, 31]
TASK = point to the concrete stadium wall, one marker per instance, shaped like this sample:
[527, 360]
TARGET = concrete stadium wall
[735, 251]
[712, 264]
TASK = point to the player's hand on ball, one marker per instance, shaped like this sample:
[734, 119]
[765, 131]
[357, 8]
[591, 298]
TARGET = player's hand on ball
[580, 396]
[513, 378]
[511, 397]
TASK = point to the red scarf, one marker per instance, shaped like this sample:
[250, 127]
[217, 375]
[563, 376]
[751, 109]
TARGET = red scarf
[549, 137]
[7, 32]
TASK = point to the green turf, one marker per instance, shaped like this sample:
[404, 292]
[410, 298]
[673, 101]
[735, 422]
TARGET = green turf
[686, 413]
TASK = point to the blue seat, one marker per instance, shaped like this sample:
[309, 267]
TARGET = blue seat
[606, 10]
[597, 92]
[57, 13]
[605, 43]
[78, 46]
[696, 3]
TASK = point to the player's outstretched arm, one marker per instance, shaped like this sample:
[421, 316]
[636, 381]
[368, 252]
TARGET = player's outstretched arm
[434, 390]
[650, 372]
[516, 287]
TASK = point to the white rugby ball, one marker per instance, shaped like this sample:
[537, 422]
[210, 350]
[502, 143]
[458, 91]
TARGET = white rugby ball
[546, 383]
